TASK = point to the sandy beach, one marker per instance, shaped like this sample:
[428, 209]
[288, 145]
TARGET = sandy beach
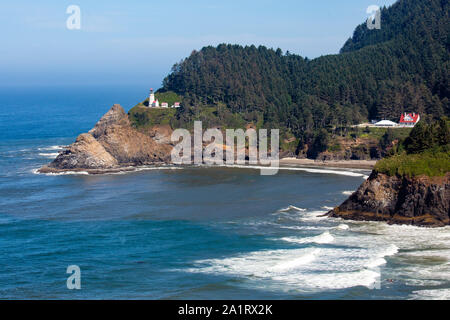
[349, 164]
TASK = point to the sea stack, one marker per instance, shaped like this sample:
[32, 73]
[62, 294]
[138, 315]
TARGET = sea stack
[421, 201]
[113, 144]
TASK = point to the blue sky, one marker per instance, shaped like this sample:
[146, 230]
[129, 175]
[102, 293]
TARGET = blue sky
[137, 42]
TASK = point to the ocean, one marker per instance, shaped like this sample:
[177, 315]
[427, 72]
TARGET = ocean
[188, 233]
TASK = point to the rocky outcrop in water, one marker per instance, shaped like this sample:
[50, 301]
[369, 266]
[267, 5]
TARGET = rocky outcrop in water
[422, 201]
[85, 153]
[111, 145]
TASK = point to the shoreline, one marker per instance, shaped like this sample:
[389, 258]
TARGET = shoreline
[46, 170]
[284, 163]
[347, 164]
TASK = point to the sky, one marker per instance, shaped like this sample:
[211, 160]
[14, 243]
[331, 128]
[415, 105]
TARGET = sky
[137, 42]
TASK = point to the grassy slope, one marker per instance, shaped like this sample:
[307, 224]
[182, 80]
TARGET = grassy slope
[428, 163]
[377, 133]
[425, 152]
[143, 117]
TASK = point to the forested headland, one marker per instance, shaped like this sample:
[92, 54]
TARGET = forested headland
[378, 74]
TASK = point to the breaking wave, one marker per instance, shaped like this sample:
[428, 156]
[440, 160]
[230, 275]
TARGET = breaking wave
[325, 237]
[292, 208]
[298, 269]
[363, 255]
[51, 148]
[434, 294]
[49, 155]
[65, 173]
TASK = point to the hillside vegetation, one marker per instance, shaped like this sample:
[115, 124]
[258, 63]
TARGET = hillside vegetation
[403, 67]
[425, 152]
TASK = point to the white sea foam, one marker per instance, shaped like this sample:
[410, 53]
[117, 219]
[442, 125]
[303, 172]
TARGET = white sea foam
[51, 148]
[75, 173]
[379, 260]
[376, 262]
[421, 255]
[292, 208]
[391, 250]
[342, 280]
[435, 294]
[360, 256]
[157, 168]
[327, 208]
[295, 263]
[259, 263]
[297, 269]
[347, 193]
[124, 171]
[323, 238]
[325, 171]
[303, 227]
[49, 155]
[310, 170]
[35, 171]
[143, 168]
[313, 216]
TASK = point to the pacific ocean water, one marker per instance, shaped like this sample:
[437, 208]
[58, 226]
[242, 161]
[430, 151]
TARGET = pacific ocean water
[189, 233]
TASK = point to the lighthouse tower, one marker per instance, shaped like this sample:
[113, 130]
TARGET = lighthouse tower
[151, 99]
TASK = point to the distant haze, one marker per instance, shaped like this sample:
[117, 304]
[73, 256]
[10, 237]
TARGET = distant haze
[137, 42]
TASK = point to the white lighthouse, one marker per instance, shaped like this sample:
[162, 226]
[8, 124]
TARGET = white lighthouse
[151, 99]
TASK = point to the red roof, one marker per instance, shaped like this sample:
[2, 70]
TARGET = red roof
[409, 118]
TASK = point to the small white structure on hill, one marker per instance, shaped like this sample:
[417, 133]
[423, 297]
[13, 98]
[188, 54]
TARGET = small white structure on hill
[151, 99]
[154, 103]
[386, 123]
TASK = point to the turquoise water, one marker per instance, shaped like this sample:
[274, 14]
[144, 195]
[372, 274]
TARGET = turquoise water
[191, 233]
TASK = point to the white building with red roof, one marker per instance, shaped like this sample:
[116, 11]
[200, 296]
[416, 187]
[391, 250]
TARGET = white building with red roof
[409, 119]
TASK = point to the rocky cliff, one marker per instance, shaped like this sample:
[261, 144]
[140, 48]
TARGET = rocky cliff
[422, 200]
[112, 144]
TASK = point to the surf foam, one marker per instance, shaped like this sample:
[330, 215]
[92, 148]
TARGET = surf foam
[35, 171]
[310, 170]
[296, 269]
[51, 148]
[290, 208]
[323, 238]
[49, 155]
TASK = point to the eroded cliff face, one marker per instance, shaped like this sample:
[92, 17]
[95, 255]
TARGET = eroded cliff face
[112, 144]
[420, 201]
